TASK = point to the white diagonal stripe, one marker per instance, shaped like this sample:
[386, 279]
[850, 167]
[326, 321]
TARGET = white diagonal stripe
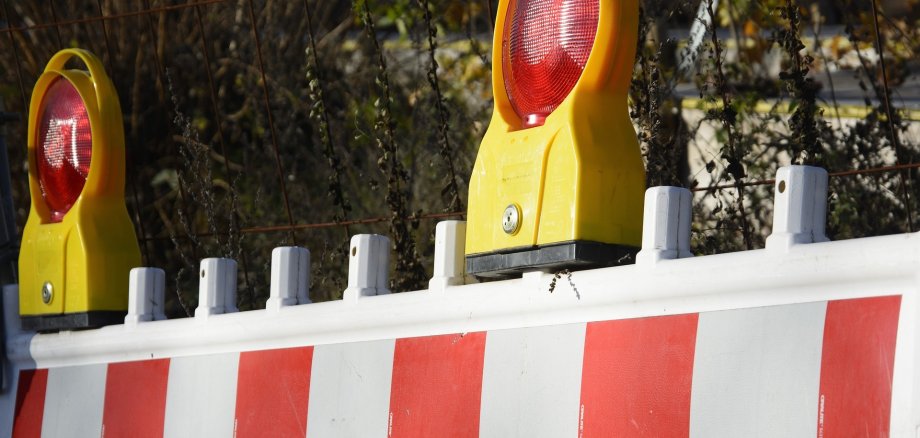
[74, 401]
[756, 372]
[201, 396]
[531, 382]
[350, 390]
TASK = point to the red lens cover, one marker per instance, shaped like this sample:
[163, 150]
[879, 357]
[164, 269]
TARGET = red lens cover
[64, 147]
[544, 52]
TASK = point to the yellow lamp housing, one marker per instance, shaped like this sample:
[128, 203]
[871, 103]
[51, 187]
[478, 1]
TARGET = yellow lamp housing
[566, 193]
[75, 259]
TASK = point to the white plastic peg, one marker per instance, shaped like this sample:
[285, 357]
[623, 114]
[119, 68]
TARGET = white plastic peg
[666, 225]
[290, 282]
[449, 262]
[216, 287]
[368, 266]
[799, 206]
[146, 295]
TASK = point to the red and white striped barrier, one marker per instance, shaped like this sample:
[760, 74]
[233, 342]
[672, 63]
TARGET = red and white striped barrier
[811, 369]
[798, 339]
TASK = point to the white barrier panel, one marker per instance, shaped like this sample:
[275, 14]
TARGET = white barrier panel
[786, 343]
[799, 339]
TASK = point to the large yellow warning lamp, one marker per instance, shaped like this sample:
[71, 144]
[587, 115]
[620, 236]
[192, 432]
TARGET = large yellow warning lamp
[559, 180]
[79, 243]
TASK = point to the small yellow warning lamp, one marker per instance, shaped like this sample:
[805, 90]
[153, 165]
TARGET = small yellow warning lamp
[559, 180]
[79, 243]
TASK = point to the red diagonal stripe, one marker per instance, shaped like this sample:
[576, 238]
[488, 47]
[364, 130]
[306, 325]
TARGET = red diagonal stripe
[135, 399]
[437, 386]
[856, 367]
[30, 403]
[636, 377]
[273, 392]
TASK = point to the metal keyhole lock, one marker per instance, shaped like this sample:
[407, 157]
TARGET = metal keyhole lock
[511, 219]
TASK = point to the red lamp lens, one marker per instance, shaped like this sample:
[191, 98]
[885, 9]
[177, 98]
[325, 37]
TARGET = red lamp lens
[544, 52]
[65, 147]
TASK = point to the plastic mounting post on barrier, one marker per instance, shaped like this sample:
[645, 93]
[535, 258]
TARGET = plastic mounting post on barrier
[799, 206]
[216, 288]
[666, 231]
[290, 281]
[78, 244]
[449, 267]
[146, 295]
[368, 266]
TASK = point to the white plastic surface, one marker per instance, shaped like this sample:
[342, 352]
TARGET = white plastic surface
[757, 280]
[449, 260]
[543, 400]
[216, 288]
[342, 377]
[368, 267]
[290, 281]
[806, 273]
[201, 397]
[800, 206]
[666, 225]
[146, 295]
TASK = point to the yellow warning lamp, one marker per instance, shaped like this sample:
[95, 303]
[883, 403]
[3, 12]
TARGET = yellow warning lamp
[559, 180]
[79, 243]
